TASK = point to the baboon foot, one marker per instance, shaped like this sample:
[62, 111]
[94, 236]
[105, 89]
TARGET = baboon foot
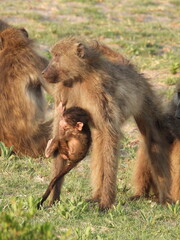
[39, 205]
[104, 207]
[92, 200]
[165, 201]
[53, 202]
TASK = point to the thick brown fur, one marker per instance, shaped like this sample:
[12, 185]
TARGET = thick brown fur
[74, 139]
[175, 170]
[72, 145]
[142, 178]
[43, 62]
[111, 92]
[3, 25]
[23, 107]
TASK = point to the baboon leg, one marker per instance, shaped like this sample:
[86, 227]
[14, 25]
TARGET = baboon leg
[142, 175]
[158, 155]
[96, 167]
[58, 165]
[61, 174]
[175, 168]
[104, 167]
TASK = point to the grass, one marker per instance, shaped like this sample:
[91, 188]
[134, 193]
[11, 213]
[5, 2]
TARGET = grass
[147, 32]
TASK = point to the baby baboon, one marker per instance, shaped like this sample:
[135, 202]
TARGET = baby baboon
[143, 179]
[23, 106]
[111, 92]
[72, 144]
[74, 137]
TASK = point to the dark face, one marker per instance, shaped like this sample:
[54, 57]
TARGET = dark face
[67, 62]
[51, 73]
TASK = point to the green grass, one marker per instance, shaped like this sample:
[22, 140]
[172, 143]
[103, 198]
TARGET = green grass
[147, 33]
[24, 180]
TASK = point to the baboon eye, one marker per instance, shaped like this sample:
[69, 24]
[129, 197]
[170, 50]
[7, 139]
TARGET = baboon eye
[57, 55]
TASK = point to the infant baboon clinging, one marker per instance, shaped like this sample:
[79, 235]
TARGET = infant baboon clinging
[74, 137]
[111, 92]
[143, 179]
[23, 106]
[72, 144]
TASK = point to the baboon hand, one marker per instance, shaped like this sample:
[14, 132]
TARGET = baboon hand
[48, 149]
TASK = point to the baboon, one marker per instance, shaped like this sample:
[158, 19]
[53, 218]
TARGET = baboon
[111, 92]
[43, 62]
[23, 106]
[74, 137]
[171, 127]
[72, 144]
[143, 179]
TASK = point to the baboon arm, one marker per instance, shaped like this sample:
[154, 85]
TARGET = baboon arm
[52, 146]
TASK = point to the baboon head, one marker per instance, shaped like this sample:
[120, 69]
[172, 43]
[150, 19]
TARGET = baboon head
[71, 59]
[13, 38]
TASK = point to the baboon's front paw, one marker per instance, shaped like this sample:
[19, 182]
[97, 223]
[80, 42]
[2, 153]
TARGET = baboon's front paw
[105, 207]
[92, 200]
[166, 201]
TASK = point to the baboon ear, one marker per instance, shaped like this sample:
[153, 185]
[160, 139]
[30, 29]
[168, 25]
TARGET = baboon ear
[95, 44]
[1, 43]
[79, 126]
[80, 50]
[23, 30]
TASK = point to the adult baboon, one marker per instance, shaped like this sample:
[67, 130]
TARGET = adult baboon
[111, 92]
[23, 106]
[43, 62]
[143, 180]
